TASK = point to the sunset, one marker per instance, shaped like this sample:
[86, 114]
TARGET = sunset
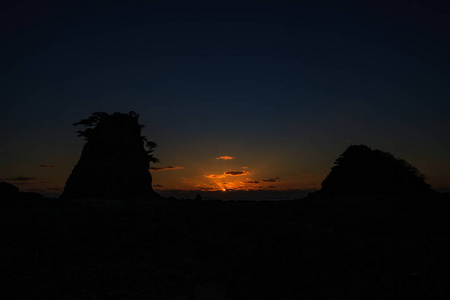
[278, 88]
[225, 149]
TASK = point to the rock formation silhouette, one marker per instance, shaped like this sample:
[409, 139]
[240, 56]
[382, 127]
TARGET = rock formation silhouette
[114, 162]
[361, 172]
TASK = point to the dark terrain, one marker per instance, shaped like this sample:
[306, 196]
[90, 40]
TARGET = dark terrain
[171, 249]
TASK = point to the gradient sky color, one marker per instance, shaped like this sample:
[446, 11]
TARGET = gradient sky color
[280, 87]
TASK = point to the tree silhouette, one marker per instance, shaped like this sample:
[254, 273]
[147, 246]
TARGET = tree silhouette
[92, 121]
[99, 116]
[150, 148]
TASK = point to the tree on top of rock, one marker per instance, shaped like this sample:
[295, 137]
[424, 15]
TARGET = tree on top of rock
[115, 160]
[99, 116]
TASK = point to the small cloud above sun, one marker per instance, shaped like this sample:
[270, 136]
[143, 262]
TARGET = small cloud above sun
[225, 157]
[228, 173]
[236, 173]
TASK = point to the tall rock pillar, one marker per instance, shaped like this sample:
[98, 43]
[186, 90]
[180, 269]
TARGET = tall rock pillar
[114, 162]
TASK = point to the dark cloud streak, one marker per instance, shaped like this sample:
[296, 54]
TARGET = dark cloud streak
[253, 182]
[236, 173]
[275, 179]
[166, 168]
[20, 178]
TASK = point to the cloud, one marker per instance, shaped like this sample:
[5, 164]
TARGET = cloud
[20, 178]
[165, 168]
[225, 157]
[228, 173]
[254, 182]
[55, 189]
[215, 176]
[207, 189]
[47, 166]
[244, 167]
[157, 185]
[275, 179]
[271, 187]
[236, 173]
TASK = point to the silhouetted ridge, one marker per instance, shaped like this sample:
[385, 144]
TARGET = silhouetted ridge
[114, 162]
[11, 192]
[7, 189]
[361, 171]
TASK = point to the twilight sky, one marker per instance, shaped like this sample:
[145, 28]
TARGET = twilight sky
[278, 88]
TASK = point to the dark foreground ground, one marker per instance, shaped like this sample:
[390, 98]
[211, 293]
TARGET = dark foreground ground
[305, 249]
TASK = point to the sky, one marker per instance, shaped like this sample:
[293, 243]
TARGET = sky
[260, 96]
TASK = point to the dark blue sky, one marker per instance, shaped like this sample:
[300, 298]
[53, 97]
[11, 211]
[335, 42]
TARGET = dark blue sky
[281, 87]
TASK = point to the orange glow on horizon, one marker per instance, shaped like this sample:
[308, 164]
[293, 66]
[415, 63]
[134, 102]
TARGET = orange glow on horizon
[215, 176]
[219, 176]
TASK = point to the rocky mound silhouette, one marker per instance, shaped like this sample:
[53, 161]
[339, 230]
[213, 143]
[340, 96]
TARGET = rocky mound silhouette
[361, 172]
[114, 162]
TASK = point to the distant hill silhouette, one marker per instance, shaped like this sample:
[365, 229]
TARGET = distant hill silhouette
[361, 171]
[11, 192]
[114, 162]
